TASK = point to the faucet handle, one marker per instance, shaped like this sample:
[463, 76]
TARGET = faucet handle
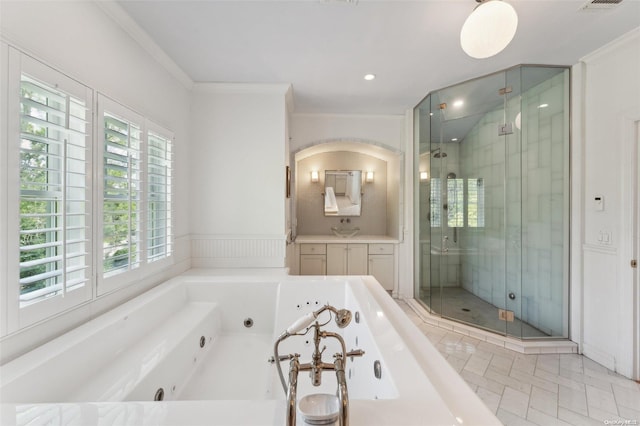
[355, 352]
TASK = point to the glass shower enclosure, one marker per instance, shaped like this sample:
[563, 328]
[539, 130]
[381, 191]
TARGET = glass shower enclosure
[492, 211]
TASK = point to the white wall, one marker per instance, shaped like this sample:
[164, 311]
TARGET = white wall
[82, 41]
[237, 174]
[610, 89]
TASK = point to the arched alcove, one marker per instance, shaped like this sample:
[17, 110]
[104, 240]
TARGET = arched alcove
[381, 199]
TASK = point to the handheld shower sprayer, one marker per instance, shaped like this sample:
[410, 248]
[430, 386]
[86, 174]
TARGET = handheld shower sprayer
[343, 318]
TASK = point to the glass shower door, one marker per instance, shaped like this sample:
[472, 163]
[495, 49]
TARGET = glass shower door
[470, 197]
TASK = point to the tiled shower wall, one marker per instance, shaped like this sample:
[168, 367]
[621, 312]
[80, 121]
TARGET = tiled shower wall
[534, 241]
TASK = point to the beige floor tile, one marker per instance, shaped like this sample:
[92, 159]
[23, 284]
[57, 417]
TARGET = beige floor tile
[577, 419]
[535, 381]
[544, 401]
[564, 381]
[601, 400]
[572, 362]
[501, 363]
[498, 376]
[515, 402]
[510, 419]
[491, 399]
[525, 363]
[543, 419]
[603, 416]
[481, 381]
[626, 397]
[574, 400]
[477, 365]
[629, 413]
[549, 363]
[586, 380]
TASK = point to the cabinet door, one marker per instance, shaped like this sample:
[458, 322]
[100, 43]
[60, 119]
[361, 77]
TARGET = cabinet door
[313, 264]
[381, 267]
[336, 259]
[357, 259]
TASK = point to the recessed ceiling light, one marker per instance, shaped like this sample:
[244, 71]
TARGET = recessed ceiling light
[369, 77]
[454, 139]
[458, 103]
[543, 106]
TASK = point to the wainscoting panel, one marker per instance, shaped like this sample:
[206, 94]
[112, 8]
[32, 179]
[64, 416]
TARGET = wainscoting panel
[238, 251]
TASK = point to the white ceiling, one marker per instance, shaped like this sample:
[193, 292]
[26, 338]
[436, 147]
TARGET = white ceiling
[324, 48]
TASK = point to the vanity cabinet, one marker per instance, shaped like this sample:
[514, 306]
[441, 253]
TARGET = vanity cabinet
[347, 259]
[313, 259]
[338, 258]
[381, 264]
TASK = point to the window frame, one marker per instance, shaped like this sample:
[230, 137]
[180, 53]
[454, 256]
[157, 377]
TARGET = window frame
[168, 136]
[81, 189]
[108, 284]
[19, 317]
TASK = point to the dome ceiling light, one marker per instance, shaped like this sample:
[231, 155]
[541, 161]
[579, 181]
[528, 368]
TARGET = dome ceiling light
[489, 29]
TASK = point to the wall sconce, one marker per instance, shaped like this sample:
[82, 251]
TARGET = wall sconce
[424, 176]
[368, 177]
[315, 176]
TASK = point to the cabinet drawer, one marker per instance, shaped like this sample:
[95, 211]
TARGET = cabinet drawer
[313, 248]
[380, 249]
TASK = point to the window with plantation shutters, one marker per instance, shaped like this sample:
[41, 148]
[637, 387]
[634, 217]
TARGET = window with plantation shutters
[158, 196]
[86, 196]
[54, 201]
[122, 189]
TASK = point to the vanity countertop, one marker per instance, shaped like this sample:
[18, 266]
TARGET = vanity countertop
[364, 239]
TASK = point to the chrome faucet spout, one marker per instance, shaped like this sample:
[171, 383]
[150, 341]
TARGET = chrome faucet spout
[316, 366]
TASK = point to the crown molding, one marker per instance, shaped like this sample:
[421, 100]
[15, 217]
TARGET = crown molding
[613, 45]
[122, 18]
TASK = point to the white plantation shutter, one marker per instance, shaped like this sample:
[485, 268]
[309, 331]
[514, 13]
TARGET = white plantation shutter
[49, 208]
[159, 231]
[122, 189]
[54, 246]
[135, 218]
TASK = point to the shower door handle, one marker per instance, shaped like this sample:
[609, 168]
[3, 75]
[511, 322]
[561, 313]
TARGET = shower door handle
[445, 244]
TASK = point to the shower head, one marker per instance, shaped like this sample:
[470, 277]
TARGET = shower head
[451, 175]
[440, 155]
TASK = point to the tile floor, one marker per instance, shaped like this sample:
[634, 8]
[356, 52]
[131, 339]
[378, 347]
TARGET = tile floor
[543, 390]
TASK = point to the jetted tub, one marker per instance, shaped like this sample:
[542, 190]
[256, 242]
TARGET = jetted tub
[202, 344]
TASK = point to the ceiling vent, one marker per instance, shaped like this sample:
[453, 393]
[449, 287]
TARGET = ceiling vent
[600, 4]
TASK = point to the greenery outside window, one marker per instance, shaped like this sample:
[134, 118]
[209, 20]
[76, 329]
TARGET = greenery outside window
[54, 248]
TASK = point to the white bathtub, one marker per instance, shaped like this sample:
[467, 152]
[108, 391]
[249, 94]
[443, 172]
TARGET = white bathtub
[109, 370]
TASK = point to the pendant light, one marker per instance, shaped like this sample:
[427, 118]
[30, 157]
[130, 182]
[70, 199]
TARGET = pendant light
[489, 29]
